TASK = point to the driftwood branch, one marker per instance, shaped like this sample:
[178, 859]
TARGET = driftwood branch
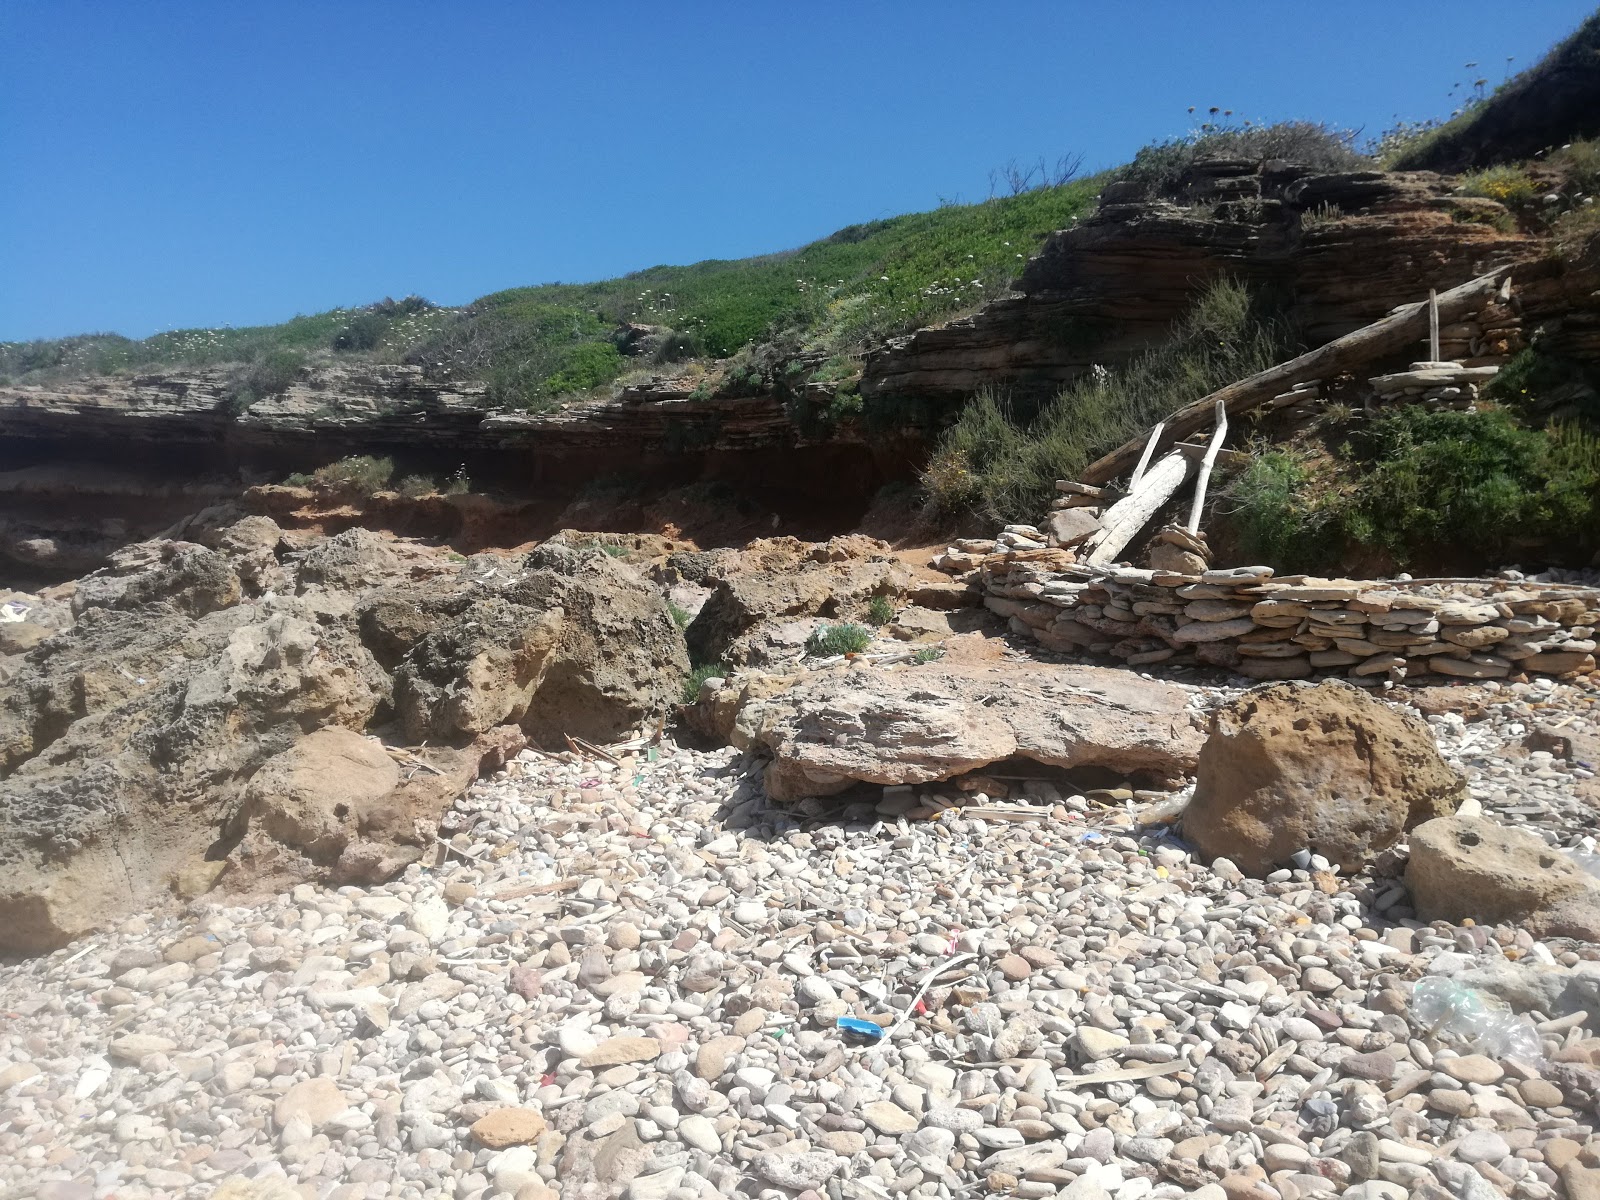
[1218, 432]
[1124, 519]
[1367, 344]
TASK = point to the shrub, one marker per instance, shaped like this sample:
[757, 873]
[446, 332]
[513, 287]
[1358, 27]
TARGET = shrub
[414, 486]
[994, 463]
[880, 612]
[459, 482]
[1158, 170]
[1508, 185]
[585, 367]
[828, 640]
[927, 654]
[680, 615]
[1269, 514]
[361, 473]
[269, 374]
[1436, 487]
[698, 676]
[1574, 234]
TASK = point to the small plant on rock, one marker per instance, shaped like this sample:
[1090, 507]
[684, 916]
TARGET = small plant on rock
[829, 640]
[698, 676]
[880, 611]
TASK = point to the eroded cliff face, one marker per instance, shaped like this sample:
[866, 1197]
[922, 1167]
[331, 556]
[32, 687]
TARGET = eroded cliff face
[87, 465]
[1341, 250]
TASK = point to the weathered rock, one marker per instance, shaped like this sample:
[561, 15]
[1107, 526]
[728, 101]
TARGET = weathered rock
[1326, 768]
[781, 578]
[315, 794]
[938, 721]
[1464, 867]
[508, 1127]
[130, 757]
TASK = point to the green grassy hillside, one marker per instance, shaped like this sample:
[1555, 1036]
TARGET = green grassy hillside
[533, 345]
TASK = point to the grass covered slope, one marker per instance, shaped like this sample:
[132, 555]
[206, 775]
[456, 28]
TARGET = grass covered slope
[531, 345]
[1555, 101]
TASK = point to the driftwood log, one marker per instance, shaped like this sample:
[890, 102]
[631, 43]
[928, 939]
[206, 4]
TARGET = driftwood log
[1378, 340]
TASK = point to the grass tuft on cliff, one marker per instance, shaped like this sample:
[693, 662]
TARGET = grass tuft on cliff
[531, 346]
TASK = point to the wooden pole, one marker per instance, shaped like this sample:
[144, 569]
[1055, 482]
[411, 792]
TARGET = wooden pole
[1433, 325]
[1367, 344]
[1144, 459]
[1217, 434]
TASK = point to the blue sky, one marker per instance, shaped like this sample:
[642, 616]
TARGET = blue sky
[166, 165]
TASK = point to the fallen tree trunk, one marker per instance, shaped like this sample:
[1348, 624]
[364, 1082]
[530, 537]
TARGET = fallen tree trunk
[1124, 519]
[1370, 342]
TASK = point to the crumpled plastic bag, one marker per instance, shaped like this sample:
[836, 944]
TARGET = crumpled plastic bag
[1473, 1019]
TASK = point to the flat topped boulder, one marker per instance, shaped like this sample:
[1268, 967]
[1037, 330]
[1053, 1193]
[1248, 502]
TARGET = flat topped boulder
[1464, 868]
[935, 721]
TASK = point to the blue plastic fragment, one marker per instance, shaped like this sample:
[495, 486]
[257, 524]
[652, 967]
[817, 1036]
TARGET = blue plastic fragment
[864, 1028]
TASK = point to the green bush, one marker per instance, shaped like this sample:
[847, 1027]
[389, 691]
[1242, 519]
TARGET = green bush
[585, 367]
[996, 464]
[698, 676]
[880, 611]
[270, 373]
[1469, 488]
[1509, 185]
[680, 615]
[927, 654]
[1269, 513]
[828, 640]
[360, 473]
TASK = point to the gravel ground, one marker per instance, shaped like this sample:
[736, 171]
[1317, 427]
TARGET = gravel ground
[626, 979]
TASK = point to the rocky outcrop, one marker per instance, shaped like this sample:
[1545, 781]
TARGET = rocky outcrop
[1115, 283]
[190, 723]
[1463, 868]
[1291, 768]
[932, 722]
[778, 580]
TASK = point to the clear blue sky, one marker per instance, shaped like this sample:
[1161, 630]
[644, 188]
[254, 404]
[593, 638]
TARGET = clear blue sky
[210, 163]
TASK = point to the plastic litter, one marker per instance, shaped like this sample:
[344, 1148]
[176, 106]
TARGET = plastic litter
[866, 1029]
[1482, 1023]
[1585, 856]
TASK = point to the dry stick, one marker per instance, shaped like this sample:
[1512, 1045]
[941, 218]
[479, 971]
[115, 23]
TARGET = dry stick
[1217, 434]
[927, 982]
[1433, 326]
[1367, 344]
[1144, 459]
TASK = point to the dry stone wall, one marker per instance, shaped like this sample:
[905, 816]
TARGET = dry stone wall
[1263, 626]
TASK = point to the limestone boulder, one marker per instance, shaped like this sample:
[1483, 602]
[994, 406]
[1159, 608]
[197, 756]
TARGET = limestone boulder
[1328, 769]
[127, 742]
[936, 721]
[477, 670]
[1468, 867]
[316, 794]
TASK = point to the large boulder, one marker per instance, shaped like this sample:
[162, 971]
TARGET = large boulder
[316, 794]
[1471, 868]
[620, 661]
[937, 721]
[1328, 769]
[131, 738]
[479, 669]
